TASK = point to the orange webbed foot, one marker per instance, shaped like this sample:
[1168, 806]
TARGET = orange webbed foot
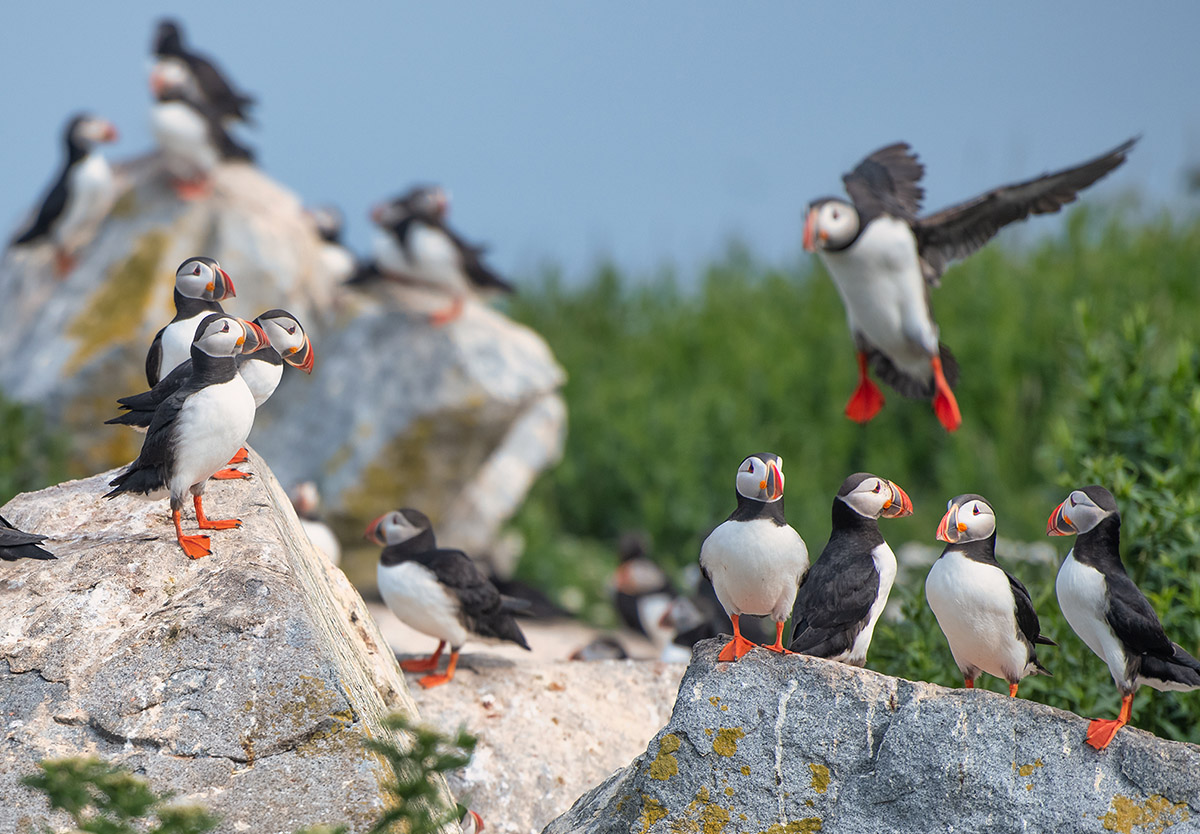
[1102, 731]
[231, 475]
[425, 664]
[219, 523]
[192, 189]
[735, 649]
[866, 402]
[430, 681]
[240, 457]
[945, 406]
[444, 317]
[196, 547]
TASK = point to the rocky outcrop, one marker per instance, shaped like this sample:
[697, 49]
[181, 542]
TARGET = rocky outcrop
[796, 744]
[456, 420]
[546, 731]
[243, 681]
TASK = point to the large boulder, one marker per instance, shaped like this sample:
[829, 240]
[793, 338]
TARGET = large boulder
[797, 744]
[244, 680]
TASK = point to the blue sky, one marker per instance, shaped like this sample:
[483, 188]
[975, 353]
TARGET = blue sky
[648, 132]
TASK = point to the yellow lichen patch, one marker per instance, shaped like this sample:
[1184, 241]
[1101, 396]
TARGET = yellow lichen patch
[1027, 770]
[664, 765]
[729, 791]
[716, 702]
[652, 812]
[705, 816]
[118, 306]
[726, 742]
[745, 770]
[820, 777]
[1151, 816]
[808, 825]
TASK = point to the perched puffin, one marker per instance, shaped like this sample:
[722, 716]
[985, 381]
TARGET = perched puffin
[200, 287]
[847, 588]
[438, 592]
[196, 429]
[338, 263]
[81, 196]
[1108, 612]
[883, 259]
[471, 822]
[210, 85]
[190, 135]
[984, 611]
[305, 500]
[639, 583]
[416, 246]
[754, 560]
[15, 544]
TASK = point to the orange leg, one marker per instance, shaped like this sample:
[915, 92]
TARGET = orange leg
[231, 475]
[1012, 690]
[1101, 731]
[208, 524]
[240, 457]
[194, 546]
[437, 680]
[969, 683]
[444, 317]
[867, 398]
[428, 664]
[193, 189]
[64, 262]
[777, 646]
[944, 404]
[738, 646]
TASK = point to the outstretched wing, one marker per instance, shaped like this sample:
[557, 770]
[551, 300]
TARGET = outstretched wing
[959, 230]
[886, 182]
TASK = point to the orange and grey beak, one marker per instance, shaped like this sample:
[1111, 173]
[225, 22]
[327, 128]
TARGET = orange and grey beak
[256, 337]
[898, 505]
[302, 357]
[810, 226]
[1059, 524]
[156, 83]
[477, 819]
[110, 132]
[773, 483]
[949, 528]
[372, 533]
[226, 288]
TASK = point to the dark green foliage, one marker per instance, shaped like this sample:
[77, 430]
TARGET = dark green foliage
[32, 454]
[103, 799]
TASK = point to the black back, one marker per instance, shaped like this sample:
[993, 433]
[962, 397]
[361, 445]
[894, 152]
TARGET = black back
[55, 200]
[470, 256]
[219, 94]
[16, 544]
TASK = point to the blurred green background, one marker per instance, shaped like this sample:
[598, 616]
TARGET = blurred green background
[1079, 366]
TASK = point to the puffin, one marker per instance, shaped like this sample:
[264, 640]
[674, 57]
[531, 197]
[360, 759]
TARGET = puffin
[985, 612]
[837, 607]
[1108, 611]
[200, 287]
[16, 544]
[416, 246]
[196, 429]
[210, 85]
[305, 499]
[189, 133]
[81, 196]
[883, 259]
[337, 262]
[437, 591]
[754, 559]
[471, 822]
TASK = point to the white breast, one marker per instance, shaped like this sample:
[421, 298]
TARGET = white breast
[974, 606]
[414, 595]
[177, 340]
[880, 282]
[756, 566]
[885, 564]
[262, 378]
[337, 263]
[322, 539]
[90, 193]
[211, 426]
[1082, 595]
[183, 137]
[431, 257]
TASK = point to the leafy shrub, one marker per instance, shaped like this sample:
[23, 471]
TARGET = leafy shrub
[33, 454]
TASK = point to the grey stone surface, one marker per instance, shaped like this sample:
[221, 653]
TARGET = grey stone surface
[547, 731]
[796, 744]
[243, 680]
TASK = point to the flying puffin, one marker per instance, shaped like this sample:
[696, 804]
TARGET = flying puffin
[81, 196]
[984, 611]
[847, 588]
[15, 544]
[754, 560]
[1108, 612]
[415, 246]
[190, 135]
[200, 287]
[338, 263]
[210, 85]
[196, 429]
[438, 592]
[883, 259]
[305, 500]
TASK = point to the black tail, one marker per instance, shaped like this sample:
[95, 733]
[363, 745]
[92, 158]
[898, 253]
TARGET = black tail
[911, 387]
[132, 418]
[136, 479]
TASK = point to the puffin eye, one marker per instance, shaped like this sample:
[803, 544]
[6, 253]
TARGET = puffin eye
[196, 271]
[976, 510]
[292, 330]
[876, 487]
[1072, 499]
[225, 329]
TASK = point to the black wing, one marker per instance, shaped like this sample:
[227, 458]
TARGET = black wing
[480, 603]
[223, 141]
[836, 596]
[959, 230]
[140, 408]
[154, 359]
[218, 92]
[1133, 619]
[1027, 618]
[886, 182]
[153, 465]
[17, 544]
[480, 274]
[51, 210]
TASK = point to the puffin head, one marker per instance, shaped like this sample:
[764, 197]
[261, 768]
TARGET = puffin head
[968, 518]
[1082, 510]
[428, 202]
[871, 496]
[760, 477]
[85, 131]
[471, 822]
[397, 527]
[203, 278]
[305, 499]
[831, 224]
[221, 335]
[168, 40]
[171, 77]
[289, 338]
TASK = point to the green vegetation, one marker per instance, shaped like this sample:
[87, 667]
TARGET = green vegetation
[1065, 383]
[32, 455]
[103, 799]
